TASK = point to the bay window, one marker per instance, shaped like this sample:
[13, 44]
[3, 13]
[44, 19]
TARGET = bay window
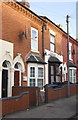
[36, 75]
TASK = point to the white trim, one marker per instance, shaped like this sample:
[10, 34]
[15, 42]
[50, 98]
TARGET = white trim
[35, 51]
[73, 68]
[19, 60]
[52, 32]
[47, 56]
[70, 49]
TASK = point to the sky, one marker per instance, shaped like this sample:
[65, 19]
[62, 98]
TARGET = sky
[57, 11]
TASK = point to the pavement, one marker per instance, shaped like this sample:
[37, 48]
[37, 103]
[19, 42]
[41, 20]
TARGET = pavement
[61, 108]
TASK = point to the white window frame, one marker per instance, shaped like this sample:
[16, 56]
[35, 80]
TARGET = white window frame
[73, 69]
[36, 73]
[33, 49]
[70, 51]
[51, 43]
[52, 33]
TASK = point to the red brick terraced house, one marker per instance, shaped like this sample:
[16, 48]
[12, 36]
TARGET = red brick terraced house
[33, 49]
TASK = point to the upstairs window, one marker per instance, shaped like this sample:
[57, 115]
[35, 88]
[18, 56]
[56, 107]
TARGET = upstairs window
[52, 43]
[70, 51]
[34, 39]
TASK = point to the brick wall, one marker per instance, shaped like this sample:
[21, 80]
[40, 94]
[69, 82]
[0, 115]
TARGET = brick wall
[13, 104]
[32, 94]
[14, 22]
[51, 94]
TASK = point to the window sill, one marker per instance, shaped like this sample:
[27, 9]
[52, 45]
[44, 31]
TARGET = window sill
[71, 59]
[35, 51]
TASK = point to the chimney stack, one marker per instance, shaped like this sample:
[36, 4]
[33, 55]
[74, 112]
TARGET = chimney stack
[25, 3]
[59, 25]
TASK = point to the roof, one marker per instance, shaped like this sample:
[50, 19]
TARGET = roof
[58, 27]
[72, 64]
[29, 10]
[54, 60]
[32, 58]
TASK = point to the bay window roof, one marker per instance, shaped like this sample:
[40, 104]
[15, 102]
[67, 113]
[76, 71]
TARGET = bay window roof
[33, 58]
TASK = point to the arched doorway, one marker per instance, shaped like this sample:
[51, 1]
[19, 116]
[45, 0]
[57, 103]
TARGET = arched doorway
[5, 78]
[17, 74]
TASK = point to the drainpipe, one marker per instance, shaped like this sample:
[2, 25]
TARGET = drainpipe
[43, 29]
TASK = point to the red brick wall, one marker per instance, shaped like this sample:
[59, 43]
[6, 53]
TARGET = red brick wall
[32, 93]
[52, 94]
[12, 104]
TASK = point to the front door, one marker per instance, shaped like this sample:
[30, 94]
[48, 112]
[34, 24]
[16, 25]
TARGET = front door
[16, 78]
[4, 83]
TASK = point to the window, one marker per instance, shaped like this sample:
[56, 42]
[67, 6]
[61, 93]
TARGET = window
[32, 82]
[36, 75]
[32, 72]
[40, 72]
[32, 76]
[72, 75]
[52, 43]
[70, 51]
[34, 39]
[40, 77]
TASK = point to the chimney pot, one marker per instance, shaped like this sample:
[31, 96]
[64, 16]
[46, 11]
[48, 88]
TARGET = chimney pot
[25, 3]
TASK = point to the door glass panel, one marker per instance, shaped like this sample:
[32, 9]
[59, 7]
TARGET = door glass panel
[52, 70]
[57, 78]
[52, 79]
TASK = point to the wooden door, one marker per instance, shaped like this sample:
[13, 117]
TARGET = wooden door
[16, 78]
[4, 83]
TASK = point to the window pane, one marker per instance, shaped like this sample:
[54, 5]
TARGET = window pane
[34, 34]
[32, 71]
[40, 83]
[32, 82]
[57, 70]
[51, 47]
[70, 75]
[52, 38]
[40, 72]
[34, 41]
[34, 44]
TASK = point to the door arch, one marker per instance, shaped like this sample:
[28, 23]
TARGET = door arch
[19, 69]
[5, 78]
[17, 74]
